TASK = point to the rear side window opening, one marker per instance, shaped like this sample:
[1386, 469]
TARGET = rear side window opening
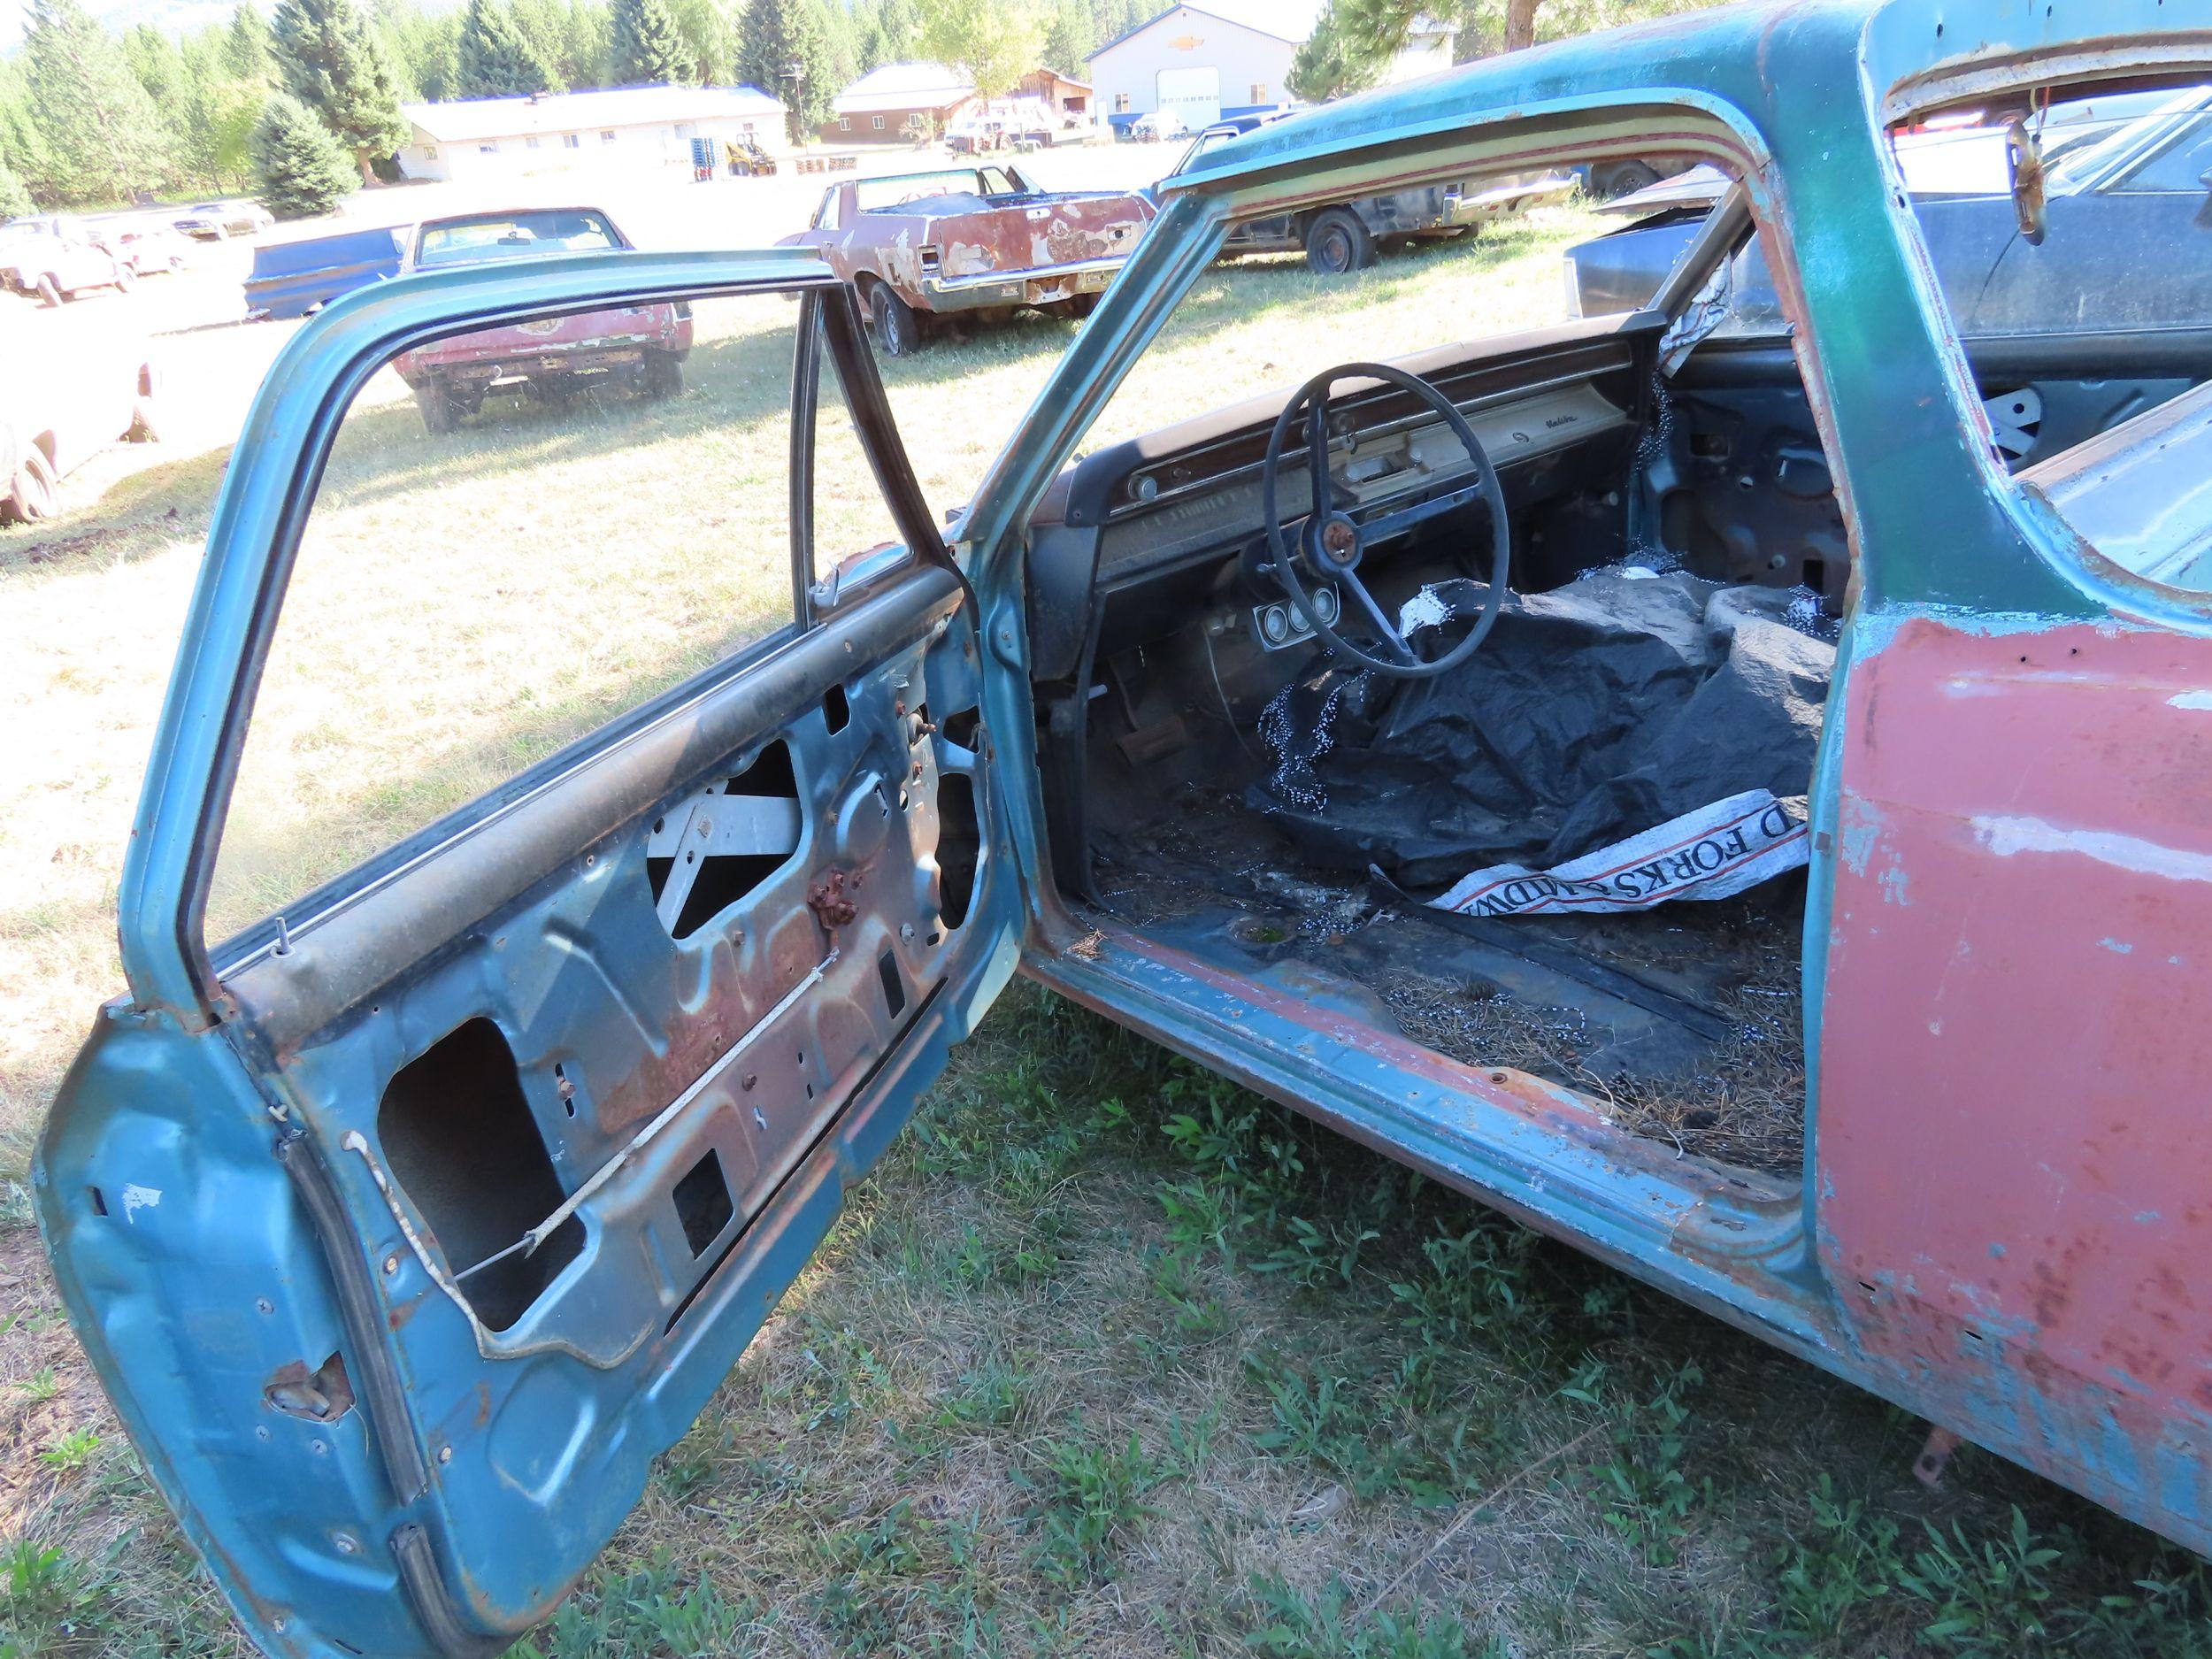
[2069, 230]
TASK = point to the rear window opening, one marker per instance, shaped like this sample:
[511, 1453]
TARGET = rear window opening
[2067, 228]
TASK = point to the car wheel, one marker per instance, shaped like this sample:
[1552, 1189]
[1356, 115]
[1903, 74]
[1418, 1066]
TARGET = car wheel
[35, 493]
[145, 426]
[439, 411]
[1626, 180]
[1338, 243]
[49, 290]
[126, 279]
[664, 376]
[898, 331]
[176, 265]
[1082, 305]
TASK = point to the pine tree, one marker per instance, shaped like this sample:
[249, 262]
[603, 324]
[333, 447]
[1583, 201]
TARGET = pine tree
[787, 56]
[22, 150]
[496, 59]
[15, 196]
[248, 49]
[644, 44]
[586, 47]
[425, 51]
[539, 23]
[332, 63]
[159, 62]
[93, 117]
[844, 45]
[709, 44]
[299, 168]
[900, 25]
[1069, 37]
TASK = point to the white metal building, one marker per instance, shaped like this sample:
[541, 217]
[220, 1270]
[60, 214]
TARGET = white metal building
[1202, 62]
[1228, 58]
[626, 129]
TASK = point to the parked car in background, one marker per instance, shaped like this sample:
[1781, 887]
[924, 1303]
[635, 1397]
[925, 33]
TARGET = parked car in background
[298, 277]
[1610, 179]
[215, 221]
[148, 247]
[52, 258]
[1158, 126]
[981, 242]
[1349, 235]
[2133, 172]
[640, 348]
[60, 405]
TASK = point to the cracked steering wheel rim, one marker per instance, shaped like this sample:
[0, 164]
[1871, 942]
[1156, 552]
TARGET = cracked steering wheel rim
[1335, 541]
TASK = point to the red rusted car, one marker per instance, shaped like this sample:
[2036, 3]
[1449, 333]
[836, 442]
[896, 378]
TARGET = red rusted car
[641, 347]
[982, 241]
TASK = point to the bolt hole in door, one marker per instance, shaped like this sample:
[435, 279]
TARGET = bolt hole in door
[99, 1200]
[702, 1202]
[715, 847]
[459, 1138]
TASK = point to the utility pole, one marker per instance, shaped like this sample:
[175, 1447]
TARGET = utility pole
[794, 72]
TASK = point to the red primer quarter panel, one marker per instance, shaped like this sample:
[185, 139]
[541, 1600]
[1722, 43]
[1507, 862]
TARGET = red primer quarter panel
[2016, 1038]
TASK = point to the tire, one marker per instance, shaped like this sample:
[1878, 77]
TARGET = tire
[1624, 179]
[126, 279]
[1338, 244]
[440, 413]
[898, 331]
[49, 290]
[145, 422]
[34, 493]
[664, 376]
[1082, 305]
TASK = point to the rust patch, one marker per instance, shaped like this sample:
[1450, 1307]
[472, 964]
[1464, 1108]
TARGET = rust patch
[830, 897]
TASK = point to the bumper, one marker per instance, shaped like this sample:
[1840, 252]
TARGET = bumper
[532, 365]
[1046, 285]
[1502, 196]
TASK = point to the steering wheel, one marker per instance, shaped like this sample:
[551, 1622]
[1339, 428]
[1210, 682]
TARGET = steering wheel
[1334, 540]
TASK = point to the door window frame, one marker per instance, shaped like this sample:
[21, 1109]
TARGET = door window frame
[262, 508]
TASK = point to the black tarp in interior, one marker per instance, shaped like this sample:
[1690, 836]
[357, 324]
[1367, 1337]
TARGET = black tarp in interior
[1592, 712]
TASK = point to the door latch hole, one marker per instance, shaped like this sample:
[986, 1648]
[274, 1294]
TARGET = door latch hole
[894, 992]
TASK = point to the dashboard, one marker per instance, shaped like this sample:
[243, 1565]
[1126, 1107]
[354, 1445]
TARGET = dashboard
[1125, 523]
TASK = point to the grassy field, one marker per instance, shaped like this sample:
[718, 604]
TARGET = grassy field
[1109, 1357]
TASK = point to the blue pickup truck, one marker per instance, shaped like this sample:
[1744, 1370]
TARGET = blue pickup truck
[300, 277]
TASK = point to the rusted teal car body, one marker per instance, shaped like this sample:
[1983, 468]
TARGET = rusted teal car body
[2006, 1201]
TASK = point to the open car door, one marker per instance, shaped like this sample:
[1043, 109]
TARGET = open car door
[550, 891]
